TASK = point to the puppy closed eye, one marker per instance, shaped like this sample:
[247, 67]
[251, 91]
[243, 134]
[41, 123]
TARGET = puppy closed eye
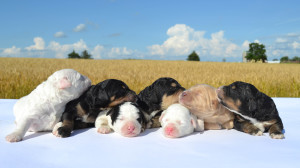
[121, 118]
[178, 122]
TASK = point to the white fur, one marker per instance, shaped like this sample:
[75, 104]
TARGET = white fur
[128, 114]
[43, 107]
[185, 122]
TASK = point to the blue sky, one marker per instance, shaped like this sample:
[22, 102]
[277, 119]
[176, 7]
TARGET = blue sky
[156, 29]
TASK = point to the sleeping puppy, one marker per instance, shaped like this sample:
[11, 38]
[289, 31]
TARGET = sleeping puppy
[202, 101]
[126, 119]
[82, 112]
[43, 107]
[177, 121]
[158, 97]
[256, 112]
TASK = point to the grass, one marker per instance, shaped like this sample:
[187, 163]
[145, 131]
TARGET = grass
[19, 76]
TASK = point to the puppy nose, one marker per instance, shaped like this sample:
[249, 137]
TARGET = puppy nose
[184, 94]
[131, 128]
[169, 130]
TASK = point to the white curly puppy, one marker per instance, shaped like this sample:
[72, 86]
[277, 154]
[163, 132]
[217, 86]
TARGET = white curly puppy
[43, 107]
[178, 121]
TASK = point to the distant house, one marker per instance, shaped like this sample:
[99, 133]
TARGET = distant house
[273, 62]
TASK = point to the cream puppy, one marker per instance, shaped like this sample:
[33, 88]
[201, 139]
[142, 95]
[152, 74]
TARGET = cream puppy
[177, 121]
[43, 107]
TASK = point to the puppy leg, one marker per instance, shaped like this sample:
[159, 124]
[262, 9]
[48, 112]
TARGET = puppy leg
[64, 128]
[275, 131]
[212, 126]
[20, 131]
[102, 125]
[228, 125]
[247, 127]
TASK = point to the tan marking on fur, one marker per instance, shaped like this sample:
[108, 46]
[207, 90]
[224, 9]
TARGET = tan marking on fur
[228, 125]
[117, 102]
[80, 111]
[249, 128]
[275, 131]
[173, 85]
[169, 100]
[112, 98]
[155, 122]
[68, 124]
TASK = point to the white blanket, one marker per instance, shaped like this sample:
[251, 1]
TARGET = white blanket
[89, 149]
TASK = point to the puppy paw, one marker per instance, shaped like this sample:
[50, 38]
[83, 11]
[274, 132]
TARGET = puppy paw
[277, 136]
[259, 133]
[54, 131]
[63, 132]
[104, 130]
[13, 137]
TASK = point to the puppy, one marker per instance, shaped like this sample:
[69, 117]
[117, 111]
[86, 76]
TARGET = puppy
[158, 97]
[82, 112]
[126, 119]
[43, 107]
[256, 112]
[202, 101]
[177, 121]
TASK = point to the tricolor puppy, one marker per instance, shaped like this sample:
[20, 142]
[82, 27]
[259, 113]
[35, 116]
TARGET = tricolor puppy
[158, 97]
[202, 101]
[256, 112]
[177, 121]
[82, 112]
[126, 119]
[43, 107]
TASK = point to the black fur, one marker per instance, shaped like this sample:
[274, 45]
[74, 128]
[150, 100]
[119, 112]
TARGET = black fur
[98, 97]
[115, 111]
[252, 103]
[151, 98]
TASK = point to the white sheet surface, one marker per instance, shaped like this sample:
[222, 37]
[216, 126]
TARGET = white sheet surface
[86, 148]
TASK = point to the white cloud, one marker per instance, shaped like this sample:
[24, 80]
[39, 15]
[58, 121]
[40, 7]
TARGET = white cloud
[79, 28]
[184, 39]
[296, 45]
[60, 34]
[39, 44]
[245, 45]
[61, 51]
[119, 52]
[280, 40]
[97, 52]
[257, 41]
[11, 51]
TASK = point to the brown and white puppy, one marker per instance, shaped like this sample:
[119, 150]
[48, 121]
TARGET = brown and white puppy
[82, 112]
[126, 119]
[202, 101]
[177, 121]
[256, 112]
[158, 97]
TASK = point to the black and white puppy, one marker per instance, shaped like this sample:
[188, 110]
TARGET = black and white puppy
[82, 112]
[158, 97]
[256, 112]
[126, 119]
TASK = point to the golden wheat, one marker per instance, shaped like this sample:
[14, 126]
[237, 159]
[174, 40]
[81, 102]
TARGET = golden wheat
[19, 76]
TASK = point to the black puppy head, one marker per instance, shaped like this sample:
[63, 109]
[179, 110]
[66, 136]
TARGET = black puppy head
[239, 96]
[163, 92]
[111, 92]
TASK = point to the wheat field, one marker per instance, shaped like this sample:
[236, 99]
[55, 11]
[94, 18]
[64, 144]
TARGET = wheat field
[19, 76]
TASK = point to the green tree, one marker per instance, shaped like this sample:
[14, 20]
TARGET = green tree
[86, 55]
[193, 57]
[256, 52]
[284, 59]
[73, 55]
[295, 59]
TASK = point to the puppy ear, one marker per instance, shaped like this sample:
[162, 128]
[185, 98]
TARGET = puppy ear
[161, 116]
[252, 105]
[64, 83]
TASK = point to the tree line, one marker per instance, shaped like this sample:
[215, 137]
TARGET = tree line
[84, 55]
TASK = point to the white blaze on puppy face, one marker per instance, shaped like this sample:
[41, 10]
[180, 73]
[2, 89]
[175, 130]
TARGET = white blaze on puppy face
[177, 121]
[127, 122]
